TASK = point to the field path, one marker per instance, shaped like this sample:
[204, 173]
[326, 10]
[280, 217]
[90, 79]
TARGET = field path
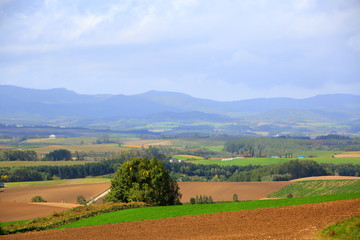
[293, 222]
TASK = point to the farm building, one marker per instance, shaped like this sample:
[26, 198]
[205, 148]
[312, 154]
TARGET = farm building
[174, 160]
[52, 136]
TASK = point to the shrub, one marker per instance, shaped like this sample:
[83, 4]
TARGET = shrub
[38, 199]
[235, 197]
[81, 200]
[202, 199]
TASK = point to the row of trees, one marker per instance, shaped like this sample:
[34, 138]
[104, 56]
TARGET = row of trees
[30, 155]
[295, 169]
[266, 147]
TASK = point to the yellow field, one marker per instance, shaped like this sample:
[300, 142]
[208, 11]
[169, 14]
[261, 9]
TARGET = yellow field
[146, 142]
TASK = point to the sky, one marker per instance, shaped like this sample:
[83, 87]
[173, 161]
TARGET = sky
[221, 50]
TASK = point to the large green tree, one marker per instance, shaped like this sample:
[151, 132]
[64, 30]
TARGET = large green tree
[58, 155]
[144, 180]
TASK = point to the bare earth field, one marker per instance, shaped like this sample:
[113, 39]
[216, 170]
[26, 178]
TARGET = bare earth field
[293, 222]
[224, 191]
[348, 155]
[14, 211]
[58, 193]
[220, 191]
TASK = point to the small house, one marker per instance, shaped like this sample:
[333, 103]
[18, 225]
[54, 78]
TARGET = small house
[52, 136]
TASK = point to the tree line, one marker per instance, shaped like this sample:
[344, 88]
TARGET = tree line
[31, 155]
[285, 147]
[295, 169]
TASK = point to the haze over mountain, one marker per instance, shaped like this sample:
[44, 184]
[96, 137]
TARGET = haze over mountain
[22, 103]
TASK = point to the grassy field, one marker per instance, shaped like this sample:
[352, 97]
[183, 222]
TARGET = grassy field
[40, 163]
[190, 210]
[64, 141]
[318, 153]
[318, 187]
[271, 161]
[58, 182]
[345, 230]
[81, 148]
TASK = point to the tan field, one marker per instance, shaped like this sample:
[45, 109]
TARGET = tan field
[219, 191]
[14, 211]
[348, 155]
[224, 191]
[281, 223]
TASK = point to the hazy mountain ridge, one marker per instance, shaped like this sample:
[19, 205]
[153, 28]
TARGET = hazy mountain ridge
[57, 103]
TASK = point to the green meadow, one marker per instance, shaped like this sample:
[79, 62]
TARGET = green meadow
[271, 161]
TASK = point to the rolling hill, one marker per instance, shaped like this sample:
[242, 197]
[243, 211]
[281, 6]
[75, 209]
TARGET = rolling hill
[46, 105]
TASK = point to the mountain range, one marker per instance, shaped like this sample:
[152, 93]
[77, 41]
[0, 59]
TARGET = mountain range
[23, 103]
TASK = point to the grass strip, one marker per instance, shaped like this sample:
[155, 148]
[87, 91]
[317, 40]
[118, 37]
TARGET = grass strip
[150, 213]
[348, 229]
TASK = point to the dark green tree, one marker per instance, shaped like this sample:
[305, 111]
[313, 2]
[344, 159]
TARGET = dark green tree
[57, 155]
[38, 199]
[81, 200]
[144, 180]
[235, 197]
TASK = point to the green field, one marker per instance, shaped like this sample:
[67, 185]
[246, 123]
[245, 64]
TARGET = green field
[318, 187]
[58, 182]
[140, 214]
[348, 229]
[40, 163]
[271, 161]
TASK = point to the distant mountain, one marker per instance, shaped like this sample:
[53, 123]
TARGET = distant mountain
[161, 106]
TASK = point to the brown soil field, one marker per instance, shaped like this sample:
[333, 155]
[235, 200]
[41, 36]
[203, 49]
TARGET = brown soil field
[14, 211]
[326, 178]
[223, 191]
[57, 193]
[292, 222]
[219, 191]
[348, 155]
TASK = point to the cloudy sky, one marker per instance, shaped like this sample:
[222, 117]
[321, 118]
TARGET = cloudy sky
[222, 50]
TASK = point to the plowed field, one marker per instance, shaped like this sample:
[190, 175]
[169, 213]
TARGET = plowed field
[59, 193]
[220, 191]
[293, 222]
[223, 191]
[14, 211]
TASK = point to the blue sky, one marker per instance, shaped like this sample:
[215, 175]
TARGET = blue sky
[222, 50]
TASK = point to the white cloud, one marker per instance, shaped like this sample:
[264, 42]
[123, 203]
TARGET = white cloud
[258, 44]
[354, 42]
